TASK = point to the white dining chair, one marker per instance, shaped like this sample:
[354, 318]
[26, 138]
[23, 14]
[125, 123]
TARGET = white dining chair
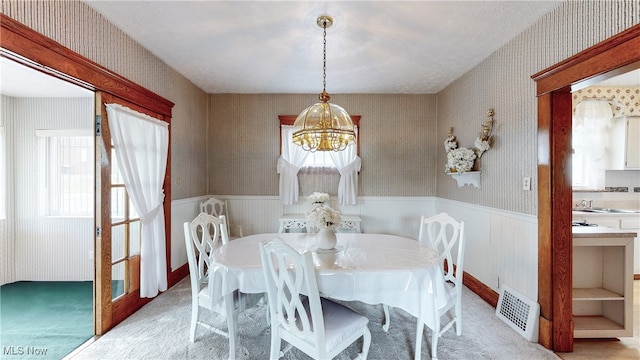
[446, 235]
[318, 327]
[217, 207]
[202, 236]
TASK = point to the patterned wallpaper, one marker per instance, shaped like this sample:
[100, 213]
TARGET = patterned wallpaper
[397, 142]
[503, 82]
[625, 100]
[78, 27]
[401, 134]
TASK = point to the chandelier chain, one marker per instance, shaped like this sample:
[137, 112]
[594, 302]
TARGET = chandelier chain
[324, 56]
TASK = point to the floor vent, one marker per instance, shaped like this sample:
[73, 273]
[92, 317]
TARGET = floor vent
[519, 312]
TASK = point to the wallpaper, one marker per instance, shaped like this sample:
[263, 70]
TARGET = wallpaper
[75, 25]
[397, 142]
[503, 82]
[625, 100]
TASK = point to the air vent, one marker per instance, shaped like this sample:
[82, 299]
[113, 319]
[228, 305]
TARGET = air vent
[519, 312]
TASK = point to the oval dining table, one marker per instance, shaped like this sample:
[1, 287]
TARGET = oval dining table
[372, 268]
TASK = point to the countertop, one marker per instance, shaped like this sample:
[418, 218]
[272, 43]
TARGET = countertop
[600, 232]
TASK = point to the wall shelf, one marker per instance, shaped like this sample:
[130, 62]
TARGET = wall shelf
[467, 178]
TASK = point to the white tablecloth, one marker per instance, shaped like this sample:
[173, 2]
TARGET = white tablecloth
[372, 268]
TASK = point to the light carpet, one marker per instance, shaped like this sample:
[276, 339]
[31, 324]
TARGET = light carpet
[160, 330]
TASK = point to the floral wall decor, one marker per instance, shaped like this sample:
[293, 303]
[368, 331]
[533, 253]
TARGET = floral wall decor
[461, 159]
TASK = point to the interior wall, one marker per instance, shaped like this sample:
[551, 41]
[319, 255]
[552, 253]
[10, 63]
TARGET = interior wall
[75, 25]
[397, 142]
[62, 247]
[503, 82]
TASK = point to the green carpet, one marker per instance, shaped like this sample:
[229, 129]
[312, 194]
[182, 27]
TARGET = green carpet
[44, 320]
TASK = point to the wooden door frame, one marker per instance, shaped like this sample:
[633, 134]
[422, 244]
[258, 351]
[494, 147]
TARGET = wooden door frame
[614, 56]
[48, 56]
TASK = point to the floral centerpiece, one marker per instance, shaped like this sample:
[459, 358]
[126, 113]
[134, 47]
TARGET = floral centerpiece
[325, 217]
[461, 159]
[318, 197]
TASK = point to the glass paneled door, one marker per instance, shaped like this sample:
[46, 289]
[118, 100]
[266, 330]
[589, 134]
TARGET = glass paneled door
[118, 237]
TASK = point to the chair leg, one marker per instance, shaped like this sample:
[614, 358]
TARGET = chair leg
[275, 344]
[194, 321]
[419, 330]
[232, 318]
[387, 318]
[458, 317]
[434, 344]
[366, 337]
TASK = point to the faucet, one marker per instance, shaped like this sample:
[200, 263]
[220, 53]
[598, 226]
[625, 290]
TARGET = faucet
[584, 203]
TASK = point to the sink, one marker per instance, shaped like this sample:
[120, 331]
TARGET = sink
[605, 210]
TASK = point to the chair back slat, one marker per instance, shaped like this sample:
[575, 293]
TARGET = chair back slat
[446, 235]
[291, 280]
[201, 238]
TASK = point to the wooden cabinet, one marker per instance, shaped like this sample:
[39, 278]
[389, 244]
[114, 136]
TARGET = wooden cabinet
[629, 222]
[602, 282]
[633, 143]
[624, 147]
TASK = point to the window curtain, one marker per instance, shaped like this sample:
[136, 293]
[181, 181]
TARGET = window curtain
[141, 148]
[289, 164]
[348, 163]
[590, 122]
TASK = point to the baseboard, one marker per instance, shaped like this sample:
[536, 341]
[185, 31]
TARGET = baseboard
[178, 274]
[479, 288]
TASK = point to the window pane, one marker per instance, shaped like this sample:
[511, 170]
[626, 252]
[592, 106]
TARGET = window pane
[134, 238]
[118, 243]
[70, 170]
[117, 204]
[116, 176]
[117, 279]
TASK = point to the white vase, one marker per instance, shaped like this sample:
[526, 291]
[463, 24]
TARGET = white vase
[326, 239]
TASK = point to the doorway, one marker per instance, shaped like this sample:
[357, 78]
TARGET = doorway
[48, 202]
[48, 56]
[614, 56]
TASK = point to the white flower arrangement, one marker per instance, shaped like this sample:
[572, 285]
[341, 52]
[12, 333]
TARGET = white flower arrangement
[318, 197]
[324, 217]
[462, 159]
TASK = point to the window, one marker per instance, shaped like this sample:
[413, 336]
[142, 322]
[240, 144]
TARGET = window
[318, 170]
[3, 175]
[67, 168]
[318, 159]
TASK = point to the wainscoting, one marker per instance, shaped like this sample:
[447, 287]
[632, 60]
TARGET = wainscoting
[502, 246]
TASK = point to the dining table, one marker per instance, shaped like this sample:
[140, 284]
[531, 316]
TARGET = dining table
[372, 268]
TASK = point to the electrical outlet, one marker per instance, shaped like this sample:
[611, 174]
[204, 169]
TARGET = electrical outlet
[526, 183]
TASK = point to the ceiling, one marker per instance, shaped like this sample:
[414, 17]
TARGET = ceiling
[372, 47]
[17, 80]
[385, 47]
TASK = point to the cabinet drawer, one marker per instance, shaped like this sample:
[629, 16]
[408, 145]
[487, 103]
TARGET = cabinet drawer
[630, 223]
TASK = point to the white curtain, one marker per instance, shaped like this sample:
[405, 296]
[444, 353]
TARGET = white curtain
[289, 164]
[141, 147]
[589, 135]
[348, 163]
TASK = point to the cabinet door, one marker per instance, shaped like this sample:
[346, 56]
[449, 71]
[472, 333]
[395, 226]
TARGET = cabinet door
[633, 143]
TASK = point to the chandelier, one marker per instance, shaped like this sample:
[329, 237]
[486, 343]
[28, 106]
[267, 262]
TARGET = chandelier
[324, 126]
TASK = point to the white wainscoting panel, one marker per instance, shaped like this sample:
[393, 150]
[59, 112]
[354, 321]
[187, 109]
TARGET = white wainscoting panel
[501, 246]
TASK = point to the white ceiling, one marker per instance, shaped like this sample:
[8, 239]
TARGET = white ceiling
[18, 80]
[276, 46]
